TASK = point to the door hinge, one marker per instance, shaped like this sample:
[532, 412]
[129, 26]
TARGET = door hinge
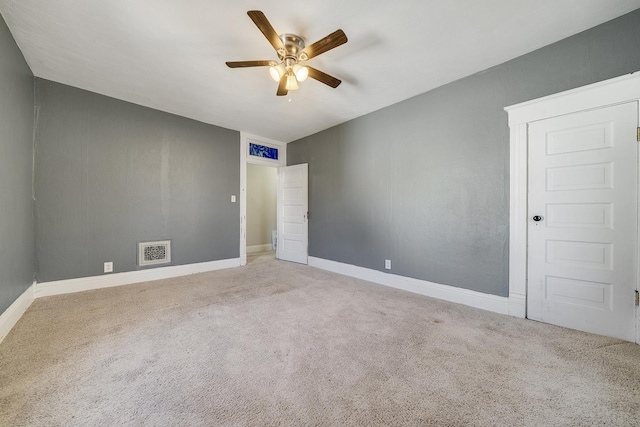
[637, 298]
[638, 136]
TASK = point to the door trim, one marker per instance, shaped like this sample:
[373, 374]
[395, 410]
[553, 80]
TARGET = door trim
[245, 139]
[602, 94]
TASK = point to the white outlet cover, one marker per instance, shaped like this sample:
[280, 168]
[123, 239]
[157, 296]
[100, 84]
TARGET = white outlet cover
[108, 267]
[233, 199]
[387, 264]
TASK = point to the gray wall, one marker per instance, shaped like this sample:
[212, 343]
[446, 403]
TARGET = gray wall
[110, 174]
[425, 182]
[16, 167]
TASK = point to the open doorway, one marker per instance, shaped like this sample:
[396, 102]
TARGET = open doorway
[292, 199]
[271, 155]
[262, 184]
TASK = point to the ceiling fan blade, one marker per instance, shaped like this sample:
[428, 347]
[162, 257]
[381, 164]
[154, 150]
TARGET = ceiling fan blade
[282, 86]
[241, 64]
[264, 25]
[331, 41]
[324, 77]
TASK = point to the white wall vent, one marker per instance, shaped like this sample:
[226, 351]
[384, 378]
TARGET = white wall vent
[150, 253]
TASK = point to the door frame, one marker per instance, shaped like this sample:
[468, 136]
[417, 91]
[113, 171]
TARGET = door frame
[610, 92]
[245, 158]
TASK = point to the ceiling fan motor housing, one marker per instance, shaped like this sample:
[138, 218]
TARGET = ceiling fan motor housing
[293, 45]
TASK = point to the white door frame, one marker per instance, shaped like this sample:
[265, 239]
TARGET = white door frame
[245, 158]
[603, 94]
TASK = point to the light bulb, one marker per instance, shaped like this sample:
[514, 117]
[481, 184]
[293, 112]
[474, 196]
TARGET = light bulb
[276, 72]
[301, 72]
[292, 83]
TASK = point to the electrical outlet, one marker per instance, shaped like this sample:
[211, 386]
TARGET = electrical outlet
[233, 199]
[108, 267]
[387, 264]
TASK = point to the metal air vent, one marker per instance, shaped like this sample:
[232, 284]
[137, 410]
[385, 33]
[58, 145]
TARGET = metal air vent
[150, 253]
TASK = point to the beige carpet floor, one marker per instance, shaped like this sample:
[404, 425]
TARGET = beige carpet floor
[276, 343]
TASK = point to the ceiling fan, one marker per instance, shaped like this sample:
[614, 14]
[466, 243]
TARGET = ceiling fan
[292, 51]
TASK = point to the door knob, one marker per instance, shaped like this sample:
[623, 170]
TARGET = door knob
[537, 218]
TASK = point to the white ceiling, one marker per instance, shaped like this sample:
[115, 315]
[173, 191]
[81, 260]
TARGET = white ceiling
[170, 54]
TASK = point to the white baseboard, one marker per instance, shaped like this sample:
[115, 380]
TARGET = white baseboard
[118, 279]
[518, 305]
[11, 315]
[435, 290]
[259, 248]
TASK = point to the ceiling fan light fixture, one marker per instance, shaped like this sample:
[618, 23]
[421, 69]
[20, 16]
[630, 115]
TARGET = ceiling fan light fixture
[301, 72]
[292, 83]
[276, 72]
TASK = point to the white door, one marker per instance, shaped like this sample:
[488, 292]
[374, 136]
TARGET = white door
[583, 221]
[293, 206]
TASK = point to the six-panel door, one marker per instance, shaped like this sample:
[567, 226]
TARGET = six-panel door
[292, 203]
[582, 232]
